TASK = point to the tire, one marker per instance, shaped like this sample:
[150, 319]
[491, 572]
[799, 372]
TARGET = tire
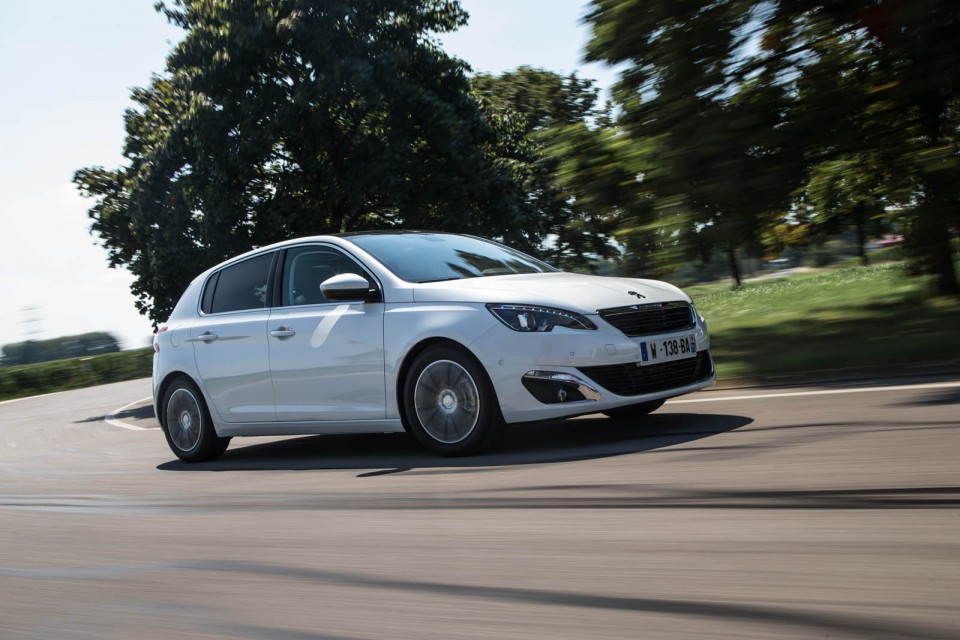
[187, 425]
[635, 411]
[449, 402]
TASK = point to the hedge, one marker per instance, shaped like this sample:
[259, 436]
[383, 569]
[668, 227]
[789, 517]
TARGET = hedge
[74, 373]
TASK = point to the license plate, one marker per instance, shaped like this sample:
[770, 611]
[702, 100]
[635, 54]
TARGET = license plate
[667, 349]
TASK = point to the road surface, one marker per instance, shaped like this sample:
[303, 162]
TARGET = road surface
[828, 512]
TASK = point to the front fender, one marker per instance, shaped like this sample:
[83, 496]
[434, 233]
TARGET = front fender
[407, 325]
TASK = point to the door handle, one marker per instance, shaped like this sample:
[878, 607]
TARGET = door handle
[207, 336]
[283, 332]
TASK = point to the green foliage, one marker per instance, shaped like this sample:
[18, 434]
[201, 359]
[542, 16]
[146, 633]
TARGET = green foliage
[75, 373]
[285, 118]
[855, 105]
[720, 158]
[574, 175]
[848, 192]
[904, 111]
[543, 99]
[595, 191]
[34, 351]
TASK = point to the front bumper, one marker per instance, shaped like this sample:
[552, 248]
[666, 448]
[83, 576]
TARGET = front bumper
[566, 373]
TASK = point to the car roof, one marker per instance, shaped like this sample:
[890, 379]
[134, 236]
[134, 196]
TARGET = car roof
[397, 232]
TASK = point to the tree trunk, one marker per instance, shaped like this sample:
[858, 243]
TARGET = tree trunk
[933, 216]
[734, 267]
[933, 233]
[936, 255]
[859, 220]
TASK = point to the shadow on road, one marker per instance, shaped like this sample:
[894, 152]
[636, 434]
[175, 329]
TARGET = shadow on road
[934, 398]
[582, 439]
[143, 412]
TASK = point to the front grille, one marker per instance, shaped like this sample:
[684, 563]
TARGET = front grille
[650, 319]
[631, 380]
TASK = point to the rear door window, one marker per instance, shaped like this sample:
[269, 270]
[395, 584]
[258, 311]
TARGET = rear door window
[241, 286]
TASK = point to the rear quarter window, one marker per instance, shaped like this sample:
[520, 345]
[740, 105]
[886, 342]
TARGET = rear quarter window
[206, 302]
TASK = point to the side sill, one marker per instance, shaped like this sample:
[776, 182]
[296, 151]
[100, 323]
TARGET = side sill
[320, 427]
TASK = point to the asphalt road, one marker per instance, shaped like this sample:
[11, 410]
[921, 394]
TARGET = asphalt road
[745, 513]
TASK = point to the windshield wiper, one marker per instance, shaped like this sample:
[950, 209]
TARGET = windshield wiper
[440, 279]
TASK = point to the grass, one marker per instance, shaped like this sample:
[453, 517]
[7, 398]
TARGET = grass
[856, 316]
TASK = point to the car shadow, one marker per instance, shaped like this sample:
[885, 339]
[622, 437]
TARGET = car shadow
[933, 398]
[141, 413]
[585, 438]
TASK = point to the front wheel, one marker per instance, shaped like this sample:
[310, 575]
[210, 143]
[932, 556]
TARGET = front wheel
[187, 426]
[635, 411]
[449, 402]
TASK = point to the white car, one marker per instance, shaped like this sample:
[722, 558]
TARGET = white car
[449, 337]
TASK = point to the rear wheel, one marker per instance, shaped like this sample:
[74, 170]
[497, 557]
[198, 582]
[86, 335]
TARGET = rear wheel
[186, 424]
[449, 402]
[635, 411]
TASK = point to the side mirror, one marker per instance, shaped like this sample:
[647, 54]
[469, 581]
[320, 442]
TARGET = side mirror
[348, 286]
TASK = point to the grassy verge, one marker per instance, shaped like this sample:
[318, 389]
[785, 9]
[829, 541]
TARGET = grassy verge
[858, 316]
[60, 375]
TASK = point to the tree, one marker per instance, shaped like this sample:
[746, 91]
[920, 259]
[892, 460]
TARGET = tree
[830, 81]
[574, 179]
[283, 118]
[34, 351]
[881, 79]
[848, 192]
[919, 51]
[543, 99]
[719, 160]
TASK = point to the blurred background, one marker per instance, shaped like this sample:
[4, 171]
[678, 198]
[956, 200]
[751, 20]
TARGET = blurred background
[795, 163]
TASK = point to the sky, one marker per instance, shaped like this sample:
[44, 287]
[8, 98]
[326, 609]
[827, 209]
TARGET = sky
[66, 71]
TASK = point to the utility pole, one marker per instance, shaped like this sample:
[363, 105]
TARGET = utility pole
[30, 323]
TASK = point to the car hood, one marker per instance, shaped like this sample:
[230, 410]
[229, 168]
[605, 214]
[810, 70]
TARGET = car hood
[572, 291]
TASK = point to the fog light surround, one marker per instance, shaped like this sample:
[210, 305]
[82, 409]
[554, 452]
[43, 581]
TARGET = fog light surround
[556, 387]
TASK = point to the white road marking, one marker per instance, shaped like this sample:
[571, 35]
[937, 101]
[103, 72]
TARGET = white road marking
[111, 417]
[826, 392]
[43, 395]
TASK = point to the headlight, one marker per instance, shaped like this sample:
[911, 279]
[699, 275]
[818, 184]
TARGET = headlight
[532, 319]
[698, 316]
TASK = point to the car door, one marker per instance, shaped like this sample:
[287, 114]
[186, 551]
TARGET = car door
[326, 357]
[230, 341]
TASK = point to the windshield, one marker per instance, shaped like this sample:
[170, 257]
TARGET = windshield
[431, 257]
